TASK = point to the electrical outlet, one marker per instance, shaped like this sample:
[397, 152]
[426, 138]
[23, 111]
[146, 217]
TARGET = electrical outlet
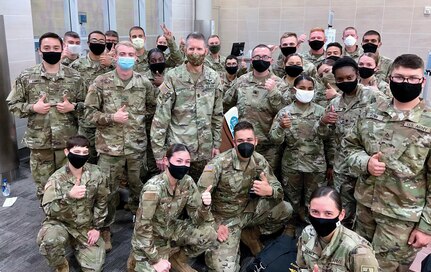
[427, 10]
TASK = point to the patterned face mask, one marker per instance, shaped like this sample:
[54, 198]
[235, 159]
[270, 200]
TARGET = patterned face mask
[195, 59]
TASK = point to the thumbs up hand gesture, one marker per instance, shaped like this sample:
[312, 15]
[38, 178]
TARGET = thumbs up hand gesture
[285, 121]
[330, 117]
[375, 166]
[78, 190]
[206, 196]
[330, 92]
[65, 106]
[41, 107]
[261, 187]
[121, 116]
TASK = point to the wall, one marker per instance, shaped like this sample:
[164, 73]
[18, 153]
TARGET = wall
[404, 27]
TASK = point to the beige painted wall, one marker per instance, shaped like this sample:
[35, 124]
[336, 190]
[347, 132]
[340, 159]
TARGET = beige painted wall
[404, 27]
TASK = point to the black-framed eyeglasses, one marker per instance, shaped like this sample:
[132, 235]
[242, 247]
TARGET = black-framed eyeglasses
[411, 80]
[265, 58]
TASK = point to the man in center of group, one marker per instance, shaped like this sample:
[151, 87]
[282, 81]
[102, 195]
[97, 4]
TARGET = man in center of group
[189, 109]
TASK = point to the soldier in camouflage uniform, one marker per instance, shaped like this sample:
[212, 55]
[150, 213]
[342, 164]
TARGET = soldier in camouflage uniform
[214, 60]
[341, 114]
[230, 73]
[137, 37]
[371, 41]
[326, 245]
[116, 102]
[72, 48]
[247, 199]
[326, 90]
[258, 97]
[389, 149]
[50, 95]
[350, 38]
[316, 41]
[174, 57]
[91, 67]
[75, 204]
[368, 63]
[303, 163]
[189, 109]
[160, 238]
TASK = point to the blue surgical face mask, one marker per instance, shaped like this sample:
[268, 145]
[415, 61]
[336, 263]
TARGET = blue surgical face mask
[126, 63]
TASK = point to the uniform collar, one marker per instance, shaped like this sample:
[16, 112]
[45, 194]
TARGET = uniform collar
[119, 83]
[308, 110]
[413, 115]
[59, 74]
[237, 162]
[167, 185]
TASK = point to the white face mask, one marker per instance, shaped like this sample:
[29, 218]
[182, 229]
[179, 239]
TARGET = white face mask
[74, 48]
[304, 96]
[350, 41]
[139, 43]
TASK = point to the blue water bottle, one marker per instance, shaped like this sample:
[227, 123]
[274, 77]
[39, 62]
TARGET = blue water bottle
[5, 187]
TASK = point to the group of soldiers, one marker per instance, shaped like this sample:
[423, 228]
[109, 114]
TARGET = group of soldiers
[343, 116]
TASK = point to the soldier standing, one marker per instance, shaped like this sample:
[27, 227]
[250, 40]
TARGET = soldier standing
[50, 95]
[75, 204]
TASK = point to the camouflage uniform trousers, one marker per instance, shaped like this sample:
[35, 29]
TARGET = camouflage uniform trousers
[388, 236]
[43, 163]
[226, 256]
[152, 168]
[53, 239]
[193, 240]
[196, 169]
[272, 154]
[115, 166]
[345, 185]
[298, 187]
[90, 133]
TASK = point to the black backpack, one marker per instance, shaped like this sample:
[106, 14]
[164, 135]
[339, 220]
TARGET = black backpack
[278, 256]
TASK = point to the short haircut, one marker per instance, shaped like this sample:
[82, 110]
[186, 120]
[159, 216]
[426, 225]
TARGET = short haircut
[95, 32]
[71, 34]
[287, 35]
[335, 44]
[155, 50]
[410, 61]
[242, 125]
[371, 55]
[317, 29]
[261, 45]
[77, 140]
[111, 33]
[350, 28]
[345, 62]
[196, 36]
[372, 32]
[125, 43]
[159, 36]
[328, 61]
[330, 192]
[302, 77]
[136, 27]
[286, 59]
[231, 57]
[213, 36]
[50, 35]
[175, 148]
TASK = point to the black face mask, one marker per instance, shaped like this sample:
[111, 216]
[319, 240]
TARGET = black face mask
[245, 149]
[316, 44]
[369, 47]
[347, 87]
[109, 46]
[178, 171]
[260, 65]
[51, 57]
[162, 47]
[288, 50]
[97, 48]
[365, 72]
[324, 226]
[293, 70]
[76, 160]
[157, 67]
[231, 70]
[214, 48]
[405, 92]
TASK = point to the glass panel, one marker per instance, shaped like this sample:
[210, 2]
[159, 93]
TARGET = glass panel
[152, 28]
[48, 15]
[125, 17]
[92, 12]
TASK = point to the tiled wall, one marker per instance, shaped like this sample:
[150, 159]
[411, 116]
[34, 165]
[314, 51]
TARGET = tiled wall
[403, 25]
[19, 41]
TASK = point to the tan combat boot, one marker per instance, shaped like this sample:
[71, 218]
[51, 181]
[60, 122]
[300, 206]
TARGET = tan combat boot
[131, 263]
[250, 237]
[106, 236]
[64, 267]
[179, 262]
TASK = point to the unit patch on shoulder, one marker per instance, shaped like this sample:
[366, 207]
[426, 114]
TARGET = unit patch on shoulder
[366, 268]
[150, 196]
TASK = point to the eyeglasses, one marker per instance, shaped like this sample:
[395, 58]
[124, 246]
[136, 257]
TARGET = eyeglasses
[265, 58]
[411, 80]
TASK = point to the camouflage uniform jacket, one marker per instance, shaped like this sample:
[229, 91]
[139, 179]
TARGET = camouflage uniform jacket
[255, 103]
[189, 113]
[383, 68]
[141, 65]
[77, 215]
[404, 138]
[347, 251]
[151, 109]
[160, 209]
[105, 96]
[231, 185]
[226, 83]
[174, 57]
[382, 86]
[216, 65]
[348, 114]
[66, 61]
[304, 139]
[278, 67]
[314, 59]
[355, 54]
[51, 130]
